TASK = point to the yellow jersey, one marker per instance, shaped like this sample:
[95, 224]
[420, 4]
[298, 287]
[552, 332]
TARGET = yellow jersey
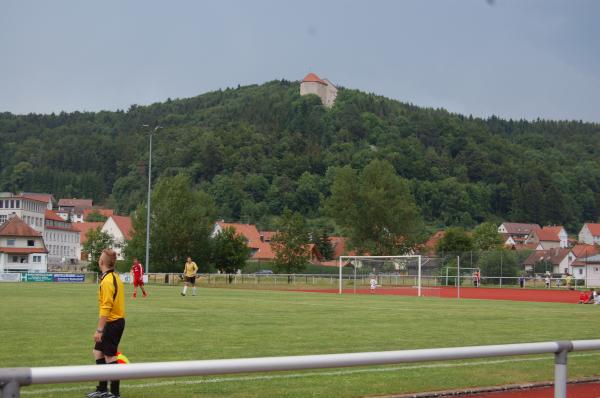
[190, 269]
[111, 297]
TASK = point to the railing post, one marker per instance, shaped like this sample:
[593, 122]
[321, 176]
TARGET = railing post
[12, 379]
[560, 369]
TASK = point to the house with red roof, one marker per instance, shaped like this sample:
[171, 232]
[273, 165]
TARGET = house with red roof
[62, 240]
[84, 228]
[261, 247]
[588, 269]
[313, 84]
[73, 208]
[548, 237]
[103, 212]
[121, 229]
[515, 234]
[22, 248]
[560, 259]
[590, 234]
[44, 197]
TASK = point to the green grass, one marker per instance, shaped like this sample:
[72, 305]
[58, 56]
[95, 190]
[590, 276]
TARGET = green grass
[52, 324]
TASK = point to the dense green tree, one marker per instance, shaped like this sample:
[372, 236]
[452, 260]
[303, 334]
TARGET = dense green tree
[95, 216]
[455, 241]
[96, 241]
[375, 209]
[290, 244]
[181, 222]
[486, 237]
[230, 251]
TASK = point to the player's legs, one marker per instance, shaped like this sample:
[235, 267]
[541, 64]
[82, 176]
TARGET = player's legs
[185, 286]
[193, 282]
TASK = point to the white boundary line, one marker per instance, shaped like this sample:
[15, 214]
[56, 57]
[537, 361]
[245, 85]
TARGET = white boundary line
[25, 391]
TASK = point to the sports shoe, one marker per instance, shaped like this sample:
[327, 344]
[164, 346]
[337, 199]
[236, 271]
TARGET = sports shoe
[97, 394]
[145, 294]
[183, 294]
[134, 295]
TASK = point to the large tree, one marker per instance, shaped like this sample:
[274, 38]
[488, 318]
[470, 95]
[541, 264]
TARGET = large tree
[375, 209]
[97, 241]
[181, 223]
[291, 243]
[486, 237]
[230, 251]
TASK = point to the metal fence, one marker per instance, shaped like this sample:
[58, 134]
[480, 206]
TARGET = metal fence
[12, 379]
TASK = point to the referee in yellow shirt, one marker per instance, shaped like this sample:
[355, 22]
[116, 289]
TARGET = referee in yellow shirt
[111, 322]
[189, 274]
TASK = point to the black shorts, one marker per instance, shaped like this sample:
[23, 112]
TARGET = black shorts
[111, 338]
[190, 279]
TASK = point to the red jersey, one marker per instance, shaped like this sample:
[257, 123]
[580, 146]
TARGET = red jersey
[137, 270]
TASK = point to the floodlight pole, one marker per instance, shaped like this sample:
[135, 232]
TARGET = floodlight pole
[458, 276]
[149, 192]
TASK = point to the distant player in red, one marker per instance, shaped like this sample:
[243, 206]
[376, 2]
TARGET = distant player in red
[137, 272]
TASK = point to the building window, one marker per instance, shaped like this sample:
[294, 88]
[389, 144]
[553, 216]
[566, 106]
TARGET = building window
[18, 204]
[30, 242]
[14, 259]
[37, 259]
[580, 271]
[1, 204]
[10, 242]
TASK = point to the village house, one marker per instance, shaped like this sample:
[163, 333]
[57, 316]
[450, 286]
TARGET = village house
[44, 197]
[590, 234]
[73, 208]
[588, 269]
[28, 209]
[120, 228]
[84, 228]
[515, 234]
[549, 237]
[61, 240]
[259, 243]
[560, 259]
[22, 248]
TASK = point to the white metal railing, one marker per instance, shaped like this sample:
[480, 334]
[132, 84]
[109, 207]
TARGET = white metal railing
[12, 379]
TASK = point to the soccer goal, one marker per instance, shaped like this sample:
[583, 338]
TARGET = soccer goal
[400, 272]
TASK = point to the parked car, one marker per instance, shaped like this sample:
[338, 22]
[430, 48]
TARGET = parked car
[264, 272]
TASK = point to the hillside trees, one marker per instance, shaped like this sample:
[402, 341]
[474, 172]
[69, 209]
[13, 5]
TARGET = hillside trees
[375, 209]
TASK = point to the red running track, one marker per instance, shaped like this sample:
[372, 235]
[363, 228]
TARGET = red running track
[580, 390]
[513, 294]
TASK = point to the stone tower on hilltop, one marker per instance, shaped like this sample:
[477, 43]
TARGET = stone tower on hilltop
[312, 84]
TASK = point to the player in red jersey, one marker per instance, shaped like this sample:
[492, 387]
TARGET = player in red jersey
[137, 272]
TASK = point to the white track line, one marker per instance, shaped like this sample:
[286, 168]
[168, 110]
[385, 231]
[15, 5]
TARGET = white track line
[306, 374]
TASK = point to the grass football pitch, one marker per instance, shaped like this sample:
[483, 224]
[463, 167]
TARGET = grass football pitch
[52, 324]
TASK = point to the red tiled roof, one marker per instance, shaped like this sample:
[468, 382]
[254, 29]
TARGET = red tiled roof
[433, 240]
[105, 212]
[51, 215]
[267, 235]
[515, 228]
[84, 203]
[554, 256]
[594, 228]
[84, 227]
[312, 78]
[582, 250]
[23, 250]
[124, 224]
[548, 234]
[41, 197]
[263, 250]
[14, 226]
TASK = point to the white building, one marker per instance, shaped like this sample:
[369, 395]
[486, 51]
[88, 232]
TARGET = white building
[312, 84]
[62, 241]
[590, 234]
[45, 197]
[588, 269]
[74, 209]
[22, 248]
[120, 228]
[30, 210]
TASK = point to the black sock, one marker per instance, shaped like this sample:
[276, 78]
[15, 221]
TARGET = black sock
[115, 384]
[102, 385]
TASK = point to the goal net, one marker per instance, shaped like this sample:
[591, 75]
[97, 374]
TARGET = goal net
[406, 272]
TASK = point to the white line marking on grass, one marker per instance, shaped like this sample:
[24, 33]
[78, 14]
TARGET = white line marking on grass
[308, 374]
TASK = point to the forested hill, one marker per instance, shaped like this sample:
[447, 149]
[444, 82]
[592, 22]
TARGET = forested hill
[259, 149]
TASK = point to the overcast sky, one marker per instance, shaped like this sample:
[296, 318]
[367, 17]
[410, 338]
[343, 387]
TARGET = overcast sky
[512, 58]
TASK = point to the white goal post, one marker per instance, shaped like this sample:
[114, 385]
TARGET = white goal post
[357, 261]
